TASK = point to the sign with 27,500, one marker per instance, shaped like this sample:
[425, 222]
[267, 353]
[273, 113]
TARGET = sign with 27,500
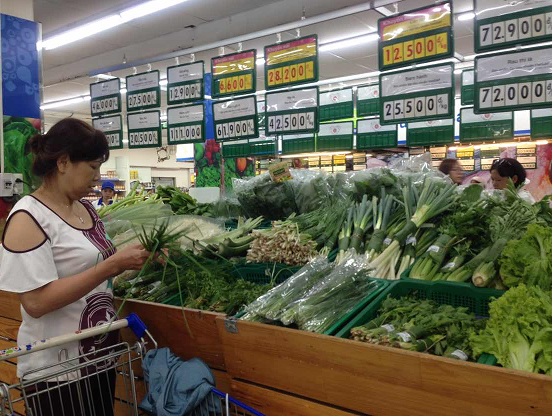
[143, 91]
[236, 119]
[417, 95]
[105, 97]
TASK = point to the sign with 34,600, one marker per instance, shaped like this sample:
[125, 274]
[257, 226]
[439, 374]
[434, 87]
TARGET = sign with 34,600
[143, 91]
[145, 130]
[105, 97]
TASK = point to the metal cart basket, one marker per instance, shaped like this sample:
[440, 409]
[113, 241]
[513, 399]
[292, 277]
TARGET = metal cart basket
[83, 385]
[218, 403]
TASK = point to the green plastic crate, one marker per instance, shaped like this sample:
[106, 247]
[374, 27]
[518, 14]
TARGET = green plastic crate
[458, 295]
[299, 145]
[262, 273]
[336, 143]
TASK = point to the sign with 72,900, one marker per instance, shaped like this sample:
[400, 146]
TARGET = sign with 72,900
[145, 130]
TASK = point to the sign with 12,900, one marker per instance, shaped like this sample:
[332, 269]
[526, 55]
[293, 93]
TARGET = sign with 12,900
[143, 91]
[105, 97]
[294, 111]
[145, 130]
[417, 95]
[185, 124]
[512, 81]
[112, 127]
[185, 83]
[500, 24]
[236, 119]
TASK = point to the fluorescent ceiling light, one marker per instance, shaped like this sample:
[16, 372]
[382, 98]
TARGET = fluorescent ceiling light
[384, 11]
[260, 61]
[65, 102]
[466, 16]
[107, 22]
[350, 42]
[458, 71]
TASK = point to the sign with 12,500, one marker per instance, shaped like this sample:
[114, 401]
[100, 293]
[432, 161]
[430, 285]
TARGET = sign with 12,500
[513, 81]
[143, 91]
[105, 97]
[112, 127]
[420, 35]
[236, 119]
[294, 111]
[234, 74]
[145, 130]
[185, 124]
[291, 63]
[417, 95]
[501, 24]
[185, 83]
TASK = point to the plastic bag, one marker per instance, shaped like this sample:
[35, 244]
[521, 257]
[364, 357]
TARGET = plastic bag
[311, 189]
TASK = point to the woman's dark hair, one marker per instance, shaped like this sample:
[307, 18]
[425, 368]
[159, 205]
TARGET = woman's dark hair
[70, 136]
[508, 167]
[447, 165]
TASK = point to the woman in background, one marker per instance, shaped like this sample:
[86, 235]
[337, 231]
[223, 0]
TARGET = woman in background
[453, 169]
[506, 169]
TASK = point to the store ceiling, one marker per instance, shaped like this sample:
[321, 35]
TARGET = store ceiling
[67, 70]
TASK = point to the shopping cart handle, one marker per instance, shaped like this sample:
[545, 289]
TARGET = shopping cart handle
[136, 325]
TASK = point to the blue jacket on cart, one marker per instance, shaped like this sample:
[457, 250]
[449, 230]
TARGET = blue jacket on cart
[176, 387]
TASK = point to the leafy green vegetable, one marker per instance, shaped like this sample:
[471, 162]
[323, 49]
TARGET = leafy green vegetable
[529, 259]
[519, 330]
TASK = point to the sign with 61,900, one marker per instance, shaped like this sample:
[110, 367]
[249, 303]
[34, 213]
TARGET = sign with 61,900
[143, 91]
[145, 130]
[236, 119]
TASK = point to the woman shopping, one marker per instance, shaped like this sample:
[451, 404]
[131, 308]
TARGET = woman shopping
[453, 169]
[56, 257]
[506, 169]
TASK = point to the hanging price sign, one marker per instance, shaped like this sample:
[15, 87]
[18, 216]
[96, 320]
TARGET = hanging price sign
[421, 94]
[437, 131]
[541, 123]
[420, 35]
[512, 81]
[236, 119]
[302, 143]
[143, 91]
[185, 83]
[486, 126]
[185, 124]
[371, 134]
[234, 74]
[145, 130]
[294, 111]
[112, 127]
[291, 63]
[105, 97]
[336, 105]
[336, 136]
[500, 24]
[467, 87]
[367, 100]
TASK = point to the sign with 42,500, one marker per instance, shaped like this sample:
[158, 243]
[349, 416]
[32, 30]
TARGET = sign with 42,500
[143, 91]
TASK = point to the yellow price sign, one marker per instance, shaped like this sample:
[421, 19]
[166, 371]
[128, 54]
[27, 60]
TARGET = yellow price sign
[416, 22]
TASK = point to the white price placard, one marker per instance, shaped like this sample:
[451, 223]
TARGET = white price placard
[513, 65]
[143, 120]
[185, 133]
[412, 81]
[484, 9]
[335, 98]
[467, 78]
[105, 88]
[143, 138]
[431, 124]
[370, 126]
[335, 129]
[368, 92]
[185, 92]
[185, 114]
[104, 105]
[139, 100]
[418, 107]
[238, 108]
[234, 129]
[541, 113]
[469, 116]
[106, 124]
[143, 81]
[185, 73]
[292, 100]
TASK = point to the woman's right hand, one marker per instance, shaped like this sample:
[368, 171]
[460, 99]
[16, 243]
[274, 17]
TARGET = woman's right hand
[131, 257]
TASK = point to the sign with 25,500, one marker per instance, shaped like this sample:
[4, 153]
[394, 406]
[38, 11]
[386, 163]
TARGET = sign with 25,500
[143, 91]
[105, 97]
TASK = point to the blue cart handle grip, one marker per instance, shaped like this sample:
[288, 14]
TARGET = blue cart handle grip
[136, 325]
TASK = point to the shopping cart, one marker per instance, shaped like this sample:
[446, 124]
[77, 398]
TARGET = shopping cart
[218, 403]
[100, 383]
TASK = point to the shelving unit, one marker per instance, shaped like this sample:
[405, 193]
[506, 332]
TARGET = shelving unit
[120, 189]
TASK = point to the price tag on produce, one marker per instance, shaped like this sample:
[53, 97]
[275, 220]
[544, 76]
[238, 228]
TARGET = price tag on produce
[105, 97]
[420, 35]
[236, 119]
[143, 91]
[486, 126]
[234, 74]
[280, 172]
[467, 88]
[512, 81]
[185, 83]
[185, 124]
[405, 336]
[421, 94]
[501, 24]
[291, 63]
[458, 353]
[294, 111]
[388, 327]
[112, 127]
[145, 130]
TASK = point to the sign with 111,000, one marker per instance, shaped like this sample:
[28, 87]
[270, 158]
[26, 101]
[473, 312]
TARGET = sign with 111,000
[185, 124]
[236, 119]
[501, 24]
[185, 83]
[417, 95]
[294, 111]
[420, 35]
[105, 97]
[143, 91]
[145, 130]
[234, 74]
[112, 127]
[512, 81]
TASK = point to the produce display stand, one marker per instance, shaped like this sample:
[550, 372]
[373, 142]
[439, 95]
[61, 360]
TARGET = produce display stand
[374, 380]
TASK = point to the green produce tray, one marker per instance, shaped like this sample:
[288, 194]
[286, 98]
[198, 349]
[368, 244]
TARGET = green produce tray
[458, 295]
[261, 273]
[232, 224]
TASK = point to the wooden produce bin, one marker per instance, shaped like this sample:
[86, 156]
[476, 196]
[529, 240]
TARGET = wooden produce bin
[374, 380]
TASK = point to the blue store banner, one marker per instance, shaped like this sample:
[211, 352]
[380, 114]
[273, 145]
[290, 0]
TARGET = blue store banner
[20, 67]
